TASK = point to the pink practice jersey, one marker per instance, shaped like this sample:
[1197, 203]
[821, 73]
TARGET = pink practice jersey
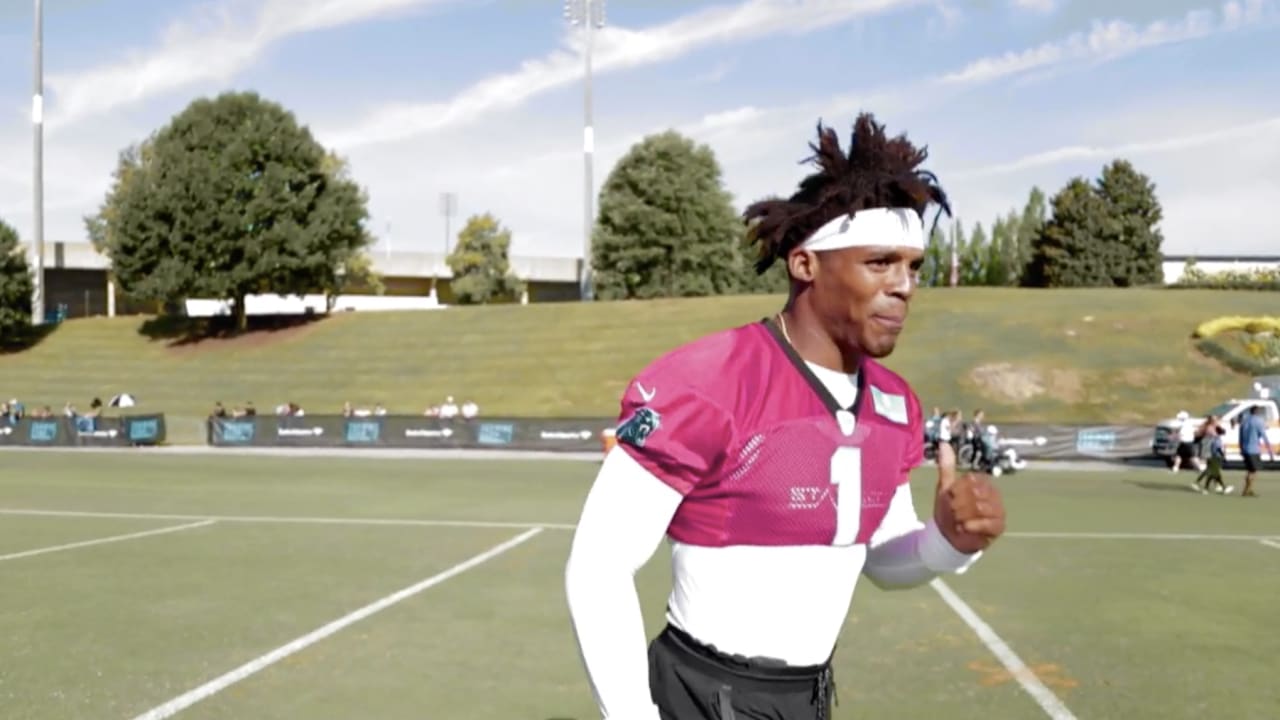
[739, 425]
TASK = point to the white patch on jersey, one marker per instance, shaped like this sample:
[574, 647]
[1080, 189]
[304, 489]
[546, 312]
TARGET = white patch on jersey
[891, 406]
[646, 394]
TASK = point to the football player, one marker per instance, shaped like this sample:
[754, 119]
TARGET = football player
[776, 457]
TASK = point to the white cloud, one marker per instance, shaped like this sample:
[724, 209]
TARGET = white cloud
[1042, 6]
[1111, 39]
[212, 47]
[615, 49]
[1263, 128]
[947, 18]
[717, 73]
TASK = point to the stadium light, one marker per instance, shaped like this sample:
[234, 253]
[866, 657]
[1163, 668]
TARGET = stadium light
[589, 15]
[37, 122]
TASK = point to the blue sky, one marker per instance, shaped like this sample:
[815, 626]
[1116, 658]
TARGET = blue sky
[484, 98]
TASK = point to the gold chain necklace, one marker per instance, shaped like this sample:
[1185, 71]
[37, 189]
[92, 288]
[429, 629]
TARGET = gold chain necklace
[783, 324]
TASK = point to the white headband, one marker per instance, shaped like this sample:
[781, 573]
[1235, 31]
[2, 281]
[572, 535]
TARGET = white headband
[893, 227]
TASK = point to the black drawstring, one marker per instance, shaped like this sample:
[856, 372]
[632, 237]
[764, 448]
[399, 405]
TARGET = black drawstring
[824, 691]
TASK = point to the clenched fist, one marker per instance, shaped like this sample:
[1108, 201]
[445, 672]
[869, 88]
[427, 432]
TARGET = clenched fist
[968, 510]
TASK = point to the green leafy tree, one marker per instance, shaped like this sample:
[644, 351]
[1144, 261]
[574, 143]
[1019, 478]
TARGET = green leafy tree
[130, 161]
[481, 263]
[973, 261]
[1003, 243]
[936, 267]
[15, 286]
[1132, 240]
[668, 228]
[776, 280]
[955, 253]
[232, 197]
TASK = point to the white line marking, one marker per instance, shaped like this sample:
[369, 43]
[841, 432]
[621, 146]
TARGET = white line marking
[188, 699]
[1131, 536]
[392, 522]
[1271, 543]
[411, 522]
[105, 540]
[1043, 696]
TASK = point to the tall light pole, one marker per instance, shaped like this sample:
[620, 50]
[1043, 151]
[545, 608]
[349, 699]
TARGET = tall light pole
[589, 14]
[448, 206]
[37, 121]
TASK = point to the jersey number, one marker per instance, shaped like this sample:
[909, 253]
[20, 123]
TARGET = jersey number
[846, 476]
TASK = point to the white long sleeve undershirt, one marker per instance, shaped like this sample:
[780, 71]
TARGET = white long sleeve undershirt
[624, 519]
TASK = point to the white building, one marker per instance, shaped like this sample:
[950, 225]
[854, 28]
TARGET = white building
[1210, 264]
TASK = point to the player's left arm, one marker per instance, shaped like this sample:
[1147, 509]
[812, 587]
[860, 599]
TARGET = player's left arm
[968, 514]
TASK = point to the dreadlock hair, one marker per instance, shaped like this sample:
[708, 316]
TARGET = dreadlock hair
[878, 172]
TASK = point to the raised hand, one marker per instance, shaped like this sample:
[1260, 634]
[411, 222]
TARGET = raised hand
[968, 510]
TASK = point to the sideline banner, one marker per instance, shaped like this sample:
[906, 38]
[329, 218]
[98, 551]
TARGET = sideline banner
[1077, 442]
[125, 431]
[1032, 441]
[408, 431]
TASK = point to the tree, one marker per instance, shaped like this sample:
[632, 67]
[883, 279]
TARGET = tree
[1031, 222]
[776, 280]
[1003, 240]
[481, 263]
[973, 261]
[1101, 235]
[667, 227]
[129, 162]
[231, 197]
[1132, 240]
[936, 268]
[15, 286]
[1067, 252]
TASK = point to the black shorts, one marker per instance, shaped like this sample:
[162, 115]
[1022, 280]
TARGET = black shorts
[690, 681]
[1252, 463]
[1186, 450]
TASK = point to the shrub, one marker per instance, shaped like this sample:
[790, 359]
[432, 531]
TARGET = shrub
[1252, 366]
[1252, 325]
[1249, 279]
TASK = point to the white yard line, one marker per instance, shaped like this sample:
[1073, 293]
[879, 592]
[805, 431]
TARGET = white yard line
[410, 522]
[1271, 543]
[105, 540]
[1043, 696]
[1132, 536]
[285, 519]
[188, 699]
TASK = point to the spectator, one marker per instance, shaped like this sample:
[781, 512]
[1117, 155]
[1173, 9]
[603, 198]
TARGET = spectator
[470, 410]
[448, 410]
[1187, 430]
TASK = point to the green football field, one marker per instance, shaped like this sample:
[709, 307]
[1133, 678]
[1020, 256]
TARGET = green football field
[156, 584]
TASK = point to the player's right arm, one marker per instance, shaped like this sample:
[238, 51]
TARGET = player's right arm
[669, 441]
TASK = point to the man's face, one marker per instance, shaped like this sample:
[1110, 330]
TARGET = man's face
[862, 294]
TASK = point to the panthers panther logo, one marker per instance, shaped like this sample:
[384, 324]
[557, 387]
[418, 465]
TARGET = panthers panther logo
[637, 428]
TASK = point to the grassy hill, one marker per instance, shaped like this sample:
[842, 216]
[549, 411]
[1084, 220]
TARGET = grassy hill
[1062, 355]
